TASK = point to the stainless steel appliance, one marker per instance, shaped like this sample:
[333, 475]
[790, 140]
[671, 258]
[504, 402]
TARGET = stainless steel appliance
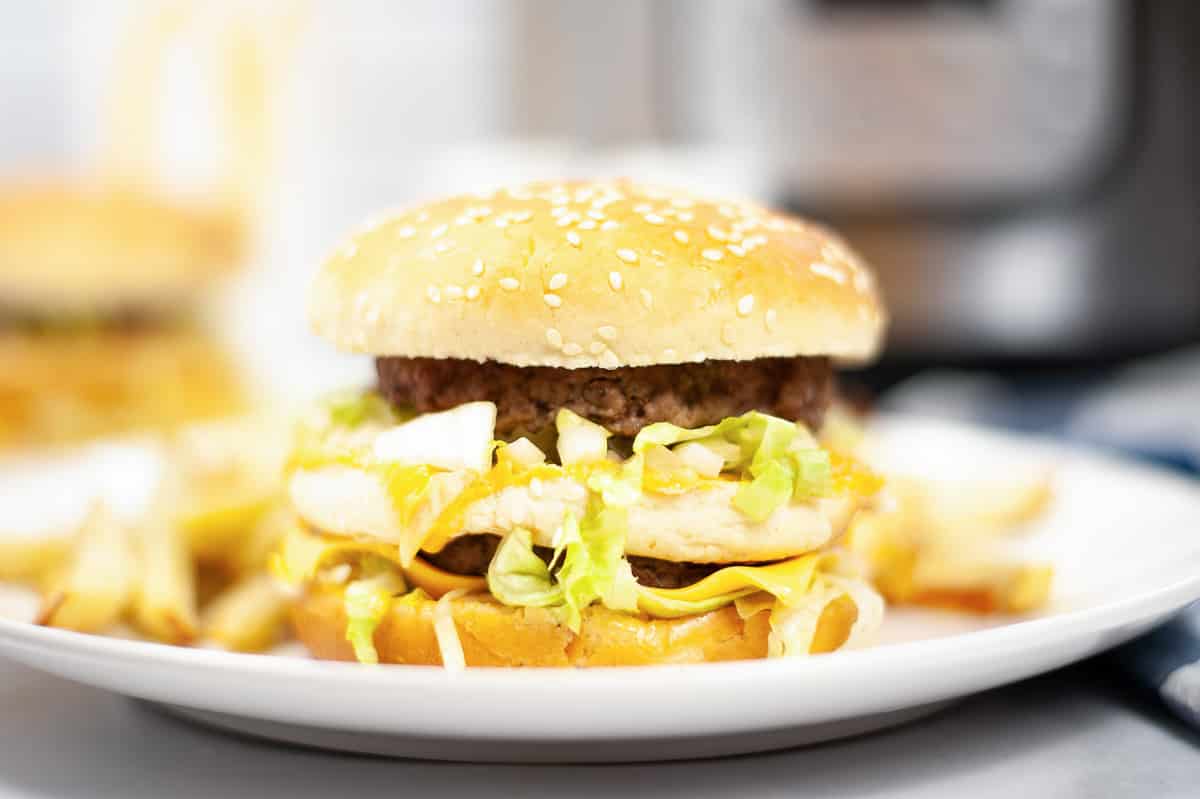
[1024, 173]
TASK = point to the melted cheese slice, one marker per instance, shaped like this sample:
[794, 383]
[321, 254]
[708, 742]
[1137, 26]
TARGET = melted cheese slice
[304, 553]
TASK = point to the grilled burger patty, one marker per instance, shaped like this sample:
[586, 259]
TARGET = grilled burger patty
[471, 554]
[623, 400]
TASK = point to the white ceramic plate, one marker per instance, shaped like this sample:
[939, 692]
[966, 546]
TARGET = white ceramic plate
[1124, 539]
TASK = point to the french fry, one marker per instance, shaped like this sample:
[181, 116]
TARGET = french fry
[254, 551]
[941, 544]
[99, 581]
[165, 603]
[975, 508]
[230, 475]
[249, 617]
[32, 561]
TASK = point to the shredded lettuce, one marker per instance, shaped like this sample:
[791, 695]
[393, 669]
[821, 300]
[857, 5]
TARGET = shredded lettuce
[780, 458]
[770, 490]
[588, 566]
[593, 564]
[813, 472]
[366, 602]
[518, 577]
[354, 408]
[622, 487]
[449, 644]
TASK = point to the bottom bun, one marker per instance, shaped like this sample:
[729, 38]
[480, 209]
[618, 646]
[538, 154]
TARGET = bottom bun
[493, 634]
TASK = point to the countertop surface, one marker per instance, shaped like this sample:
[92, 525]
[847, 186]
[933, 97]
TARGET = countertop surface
[1075, 732]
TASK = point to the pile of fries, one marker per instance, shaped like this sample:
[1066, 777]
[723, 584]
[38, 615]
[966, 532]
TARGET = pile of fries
[952, 545]
[193, 568]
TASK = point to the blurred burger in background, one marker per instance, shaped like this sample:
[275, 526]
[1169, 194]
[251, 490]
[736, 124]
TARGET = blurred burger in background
[99, 291]
[595, 437]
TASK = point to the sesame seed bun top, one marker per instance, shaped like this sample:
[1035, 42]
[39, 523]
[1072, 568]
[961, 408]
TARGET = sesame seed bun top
[606, 274]
[83, 249]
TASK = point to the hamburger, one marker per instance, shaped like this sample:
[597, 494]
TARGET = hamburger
[595, 436]
[97, 332]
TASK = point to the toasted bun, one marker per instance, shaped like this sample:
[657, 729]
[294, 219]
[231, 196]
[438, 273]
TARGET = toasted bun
[596, 274]
[70, 250]
[60, 388]
[493, 634]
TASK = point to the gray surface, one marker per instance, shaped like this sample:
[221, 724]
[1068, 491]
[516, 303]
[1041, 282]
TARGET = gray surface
[1067, 734]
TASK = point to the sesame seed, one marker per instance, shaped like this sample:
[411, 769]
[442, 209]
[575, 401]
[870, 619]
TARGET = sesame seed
[736, 249]
[609, 360]
[454, 292]
[716, 233]
[573, 238]
[443, 246]
[745, 305]
[654, 219]
[571, 348]
[610, 224]
[727, 332]
[647, 298]
[615, 280]
[523, 215]
[681, 236]
[434, 294]
[726, 211]
[596, 213]
[553, 300]
[501, 221]
[686, 216]
[627, 255]
[554, 338]
[406, 232]
[597, 347]
[607, 332]
[713, 255]
[587, 224]
[477, 267]
[558, 211]
[510, 283]
[770, 320]
[557, 281]
[472, 292]
[438, 231]
[643, 208]
[463, 220]
[699, 356]
[568, 219]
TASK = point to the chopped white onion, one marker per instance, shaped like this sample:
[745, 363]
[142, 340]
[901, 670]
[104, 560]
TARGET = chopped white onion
[580, 441]
[525, 453]
[704, 460]
[460, 438]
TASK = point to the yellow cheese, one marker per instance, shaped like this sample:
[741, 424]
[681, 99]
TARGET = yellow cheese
[786, 580]
[304, 553]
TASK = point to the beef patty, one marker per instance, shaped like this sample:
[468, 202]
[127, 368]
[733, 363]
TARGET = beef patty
[471, 554]
[623, 400]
